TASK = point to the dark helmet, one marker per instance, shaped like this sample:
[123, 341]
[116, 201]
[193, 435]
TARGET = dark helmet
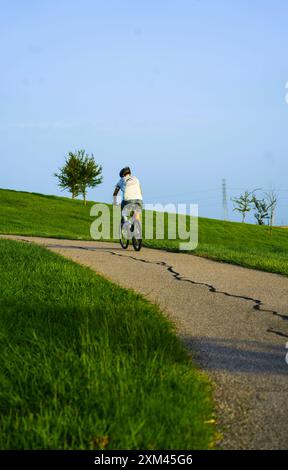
[125, 171]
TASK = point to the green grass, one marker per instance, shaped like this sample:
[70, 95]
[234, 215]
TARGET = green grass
[244, 244]
[86, 364]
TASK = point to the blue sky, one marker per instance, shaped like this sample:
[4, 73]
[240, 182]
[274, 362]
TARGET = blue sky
[186, 92]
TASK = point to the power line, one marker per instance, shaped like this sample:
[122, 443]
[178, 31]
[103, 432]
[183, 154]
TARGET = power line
[262, 189]
[184, 194]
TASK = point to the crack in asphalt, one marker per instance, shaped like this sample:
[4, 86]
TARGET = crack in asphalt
[278, 333]
[258, 304]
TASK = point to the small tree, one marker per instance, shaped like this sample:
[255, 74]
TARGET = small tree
[272, 203]
[90, 174]
[243, 203]
[68, 175]
[262, 210]
[79, 173]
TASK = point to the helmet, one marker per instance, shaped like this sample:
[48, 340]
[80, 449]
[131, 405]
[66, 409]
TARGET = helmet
[124, 171]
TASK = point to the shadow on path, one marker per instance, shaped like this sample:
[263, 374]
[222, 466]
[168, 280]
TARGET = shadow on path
[244, 356]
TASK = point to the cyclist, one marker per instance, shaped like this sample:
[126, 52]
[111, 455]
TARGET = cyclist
[131, 190]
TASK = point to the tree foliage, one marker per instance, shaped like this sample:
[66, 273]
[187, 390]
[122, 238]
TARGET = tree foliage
[243, 203]
[68, 176]
[262, 210]
[90, 174]
[79, 173]
[264, 207]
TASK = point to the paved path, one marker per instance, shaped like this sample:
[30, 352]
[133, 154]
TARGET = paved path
[233, 319]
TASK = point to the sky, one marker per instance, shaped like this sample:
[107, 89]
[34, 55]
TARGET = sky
[186, 92]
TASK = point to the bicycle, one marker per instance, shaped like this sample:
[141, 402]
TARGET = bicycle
[131, 229]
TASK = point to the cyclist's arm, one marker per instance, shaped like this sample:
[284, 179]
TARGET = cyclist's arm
[140, 189]
[116, 191]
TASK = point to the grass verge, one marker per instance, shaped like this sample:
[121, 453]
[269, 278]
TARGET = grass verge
[50, 216]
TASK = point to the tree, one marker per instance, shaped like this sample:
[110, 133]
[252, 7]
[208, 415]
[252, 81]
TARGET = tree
[79, 173]
[262, 210]
[243, 203]
[90, 174]
[272, 203]
[68, 175]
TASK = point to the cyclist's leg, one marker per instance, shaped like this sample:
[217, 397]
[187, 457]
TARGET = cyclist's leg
[137, 203]
[123, 217]
[138, 212]
[134, 206]
[137, 223]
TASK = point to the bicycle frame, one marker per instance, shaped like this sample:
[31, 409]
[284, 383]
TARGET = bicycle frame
[131, 228]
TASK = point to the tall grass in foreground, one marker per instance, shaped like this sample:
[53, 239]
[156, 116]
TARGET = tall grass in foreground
[85, 364]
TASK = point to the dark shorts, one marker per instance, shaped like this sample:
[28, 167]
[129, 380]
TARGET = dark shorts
[138, 202]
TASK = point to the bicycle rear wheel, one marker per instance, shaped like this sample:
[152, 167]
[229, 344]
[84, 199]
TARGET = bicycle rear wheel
[137, 236]
[124, 241]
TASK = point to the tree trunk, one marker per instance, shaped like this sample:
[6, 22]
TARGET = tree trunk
[271, 224]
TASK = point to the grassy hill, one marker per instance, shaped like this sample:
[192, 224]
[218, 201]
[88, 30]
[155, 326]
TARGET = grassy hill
[248, 245]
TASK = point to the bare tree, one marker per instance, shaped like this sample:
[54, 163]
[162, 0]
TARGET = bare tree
[272, 203]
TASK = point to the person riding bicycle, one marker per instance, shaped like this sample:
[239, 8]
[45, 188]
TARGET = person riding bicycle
[131, 190]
